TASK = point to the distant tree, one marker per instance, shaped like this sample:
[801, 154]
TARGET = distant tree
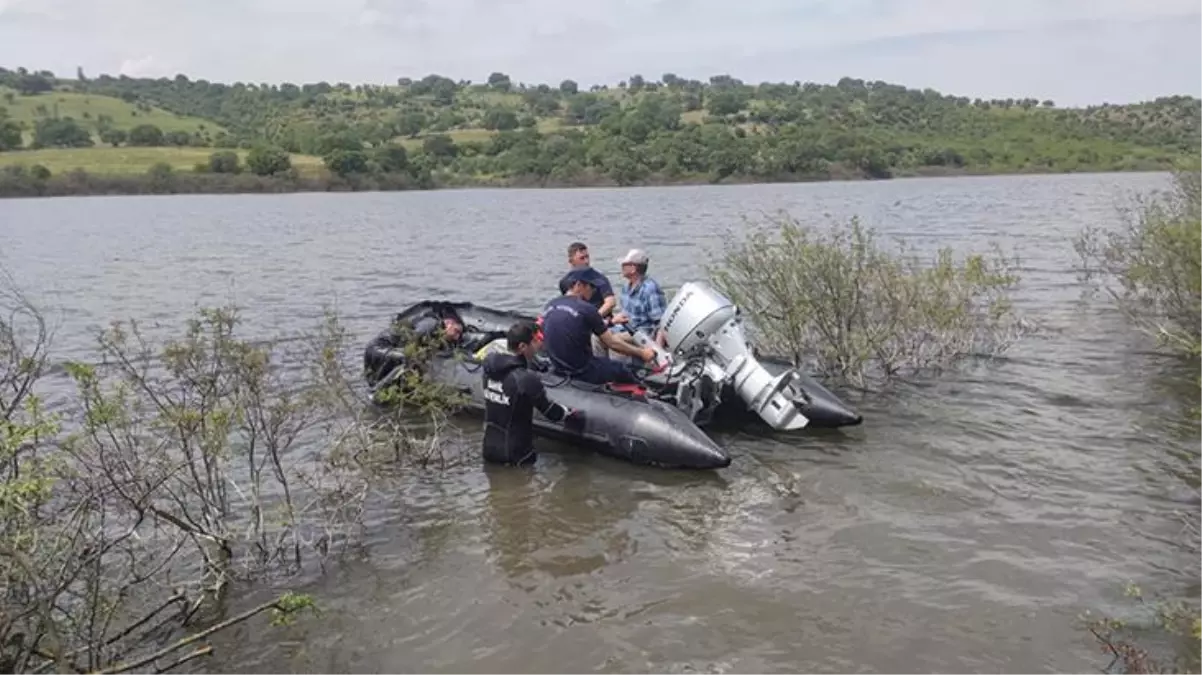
[501, 119]
[392, 158]
[114, 137]
[177, 138]
[267, 161]
[62, 132]
[10, 135]
[568, 87]
[30, 85]
[439, 145]
[499, 81]
[636, 83]
[343, 139]
[346, 162]
[542, 103]
[146, 135]
[225, 161]
[725, 103]
[442, 89]
[410, 124]
[444, 93]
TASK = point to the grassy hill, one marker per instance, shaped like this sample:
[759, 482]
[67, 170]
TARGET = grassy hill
[97, 113]
[439, 131]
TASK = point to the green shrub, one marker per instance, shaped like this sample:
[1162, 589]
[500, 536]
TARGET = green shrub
[861, 311]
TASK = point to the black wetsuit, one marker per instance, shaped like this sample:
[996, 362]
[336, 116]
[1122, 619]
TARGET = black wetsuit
[387, 351]
[511, 394]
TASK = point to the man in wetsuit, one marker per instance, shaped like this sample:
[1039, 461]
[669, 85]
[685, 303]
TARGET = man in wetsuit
[391, 347]
[511, 394]
[569, 323]
[430, 328]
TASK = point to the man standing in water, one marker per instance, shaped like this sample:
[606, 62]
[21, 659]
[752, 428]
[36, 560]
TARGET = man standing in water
[511, 394]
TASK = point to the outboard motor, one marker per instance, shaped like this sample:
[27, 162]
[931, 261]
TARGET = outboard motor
[699, 319]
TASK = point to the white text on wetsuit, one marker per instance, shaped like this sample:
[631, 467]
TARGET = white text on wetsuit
[493, 392]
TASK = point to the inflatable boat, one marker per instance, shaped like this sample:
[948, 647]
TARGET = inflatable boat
[708, 371]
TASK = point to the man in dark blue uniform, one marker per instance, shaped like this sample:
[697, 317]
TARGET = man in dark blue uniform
[603, 298]
[569, 323]
[512, 393]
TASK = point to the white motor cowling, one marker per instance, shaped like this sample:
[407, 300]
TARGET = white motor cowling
[700, 318]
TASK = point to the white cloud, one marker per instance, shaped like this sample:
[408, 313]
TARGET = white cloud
[1068, 50]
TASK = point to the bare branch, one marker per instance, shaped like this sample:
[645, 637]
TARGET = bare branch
[103, 529]
[180, 644]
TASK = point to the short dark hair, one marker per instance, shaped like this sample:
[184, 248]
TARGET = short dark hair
[576, 246]
[520, 333]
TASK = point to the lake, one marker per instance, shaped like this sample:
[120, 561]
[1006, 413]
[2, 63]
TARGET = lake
[961, 528]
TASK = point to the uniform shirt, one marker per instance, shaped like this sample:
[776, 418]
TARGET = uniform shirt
[568, 325]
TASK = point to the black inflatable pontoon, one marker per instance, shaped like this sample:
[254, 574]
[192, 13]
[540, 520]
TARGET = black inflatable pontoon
[621, 423]
[713, 369]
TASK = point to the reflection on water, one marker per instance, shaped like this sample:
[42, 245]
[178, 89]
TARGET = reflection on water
[962, 527]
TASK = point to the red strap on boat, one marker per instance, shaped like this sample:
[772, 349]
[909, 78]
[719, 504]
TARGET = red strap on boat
[636, 389]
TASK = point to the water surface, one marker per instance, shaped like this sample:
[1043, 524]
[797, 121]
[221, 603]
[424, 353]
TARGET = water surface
[961, 528]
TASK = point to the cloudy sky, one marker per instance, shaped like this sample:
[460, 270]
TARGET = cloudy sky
[1072, 51]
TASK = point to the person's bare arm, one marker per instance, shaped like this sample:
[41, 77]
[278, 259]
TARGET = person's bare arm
[621, 346]
[607, 305]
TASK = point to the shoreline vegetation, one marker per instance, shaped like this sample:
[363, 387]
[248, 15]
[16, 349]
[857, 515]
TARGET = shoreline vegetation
[126, 136]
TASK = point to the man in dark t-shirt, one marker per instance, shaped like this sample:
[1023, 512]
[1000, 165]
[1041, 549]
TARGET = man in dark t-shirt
[603, 297]
[569, 322]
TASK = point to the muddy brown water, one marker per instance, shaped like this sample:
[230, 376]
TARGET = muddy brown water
[962, 528]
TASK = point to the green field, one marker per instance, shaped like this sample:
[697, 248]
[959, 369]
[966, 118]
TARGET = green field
[88, 108]
[127, 161]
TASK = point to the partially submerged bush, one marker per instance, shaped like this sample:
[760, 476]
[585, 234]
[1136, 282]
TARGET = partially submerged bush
[861, 311]
[1176, 623]
[124, 516]
[1152, 266]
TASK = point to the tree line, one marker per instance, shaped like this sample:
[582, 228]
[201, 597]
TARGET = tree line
[436, 130]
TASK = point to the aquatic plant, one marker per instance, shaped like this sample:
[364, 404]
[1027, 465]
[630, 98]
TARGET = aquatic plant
[170, 472]
[1151, 269]
[868, 314]
[1152, 266]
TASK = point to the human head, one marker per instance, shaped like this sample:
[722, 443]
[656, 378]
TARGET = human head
[578, 255]
[580, 282]
[452, 328]
[524, 338]
[634, 263]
